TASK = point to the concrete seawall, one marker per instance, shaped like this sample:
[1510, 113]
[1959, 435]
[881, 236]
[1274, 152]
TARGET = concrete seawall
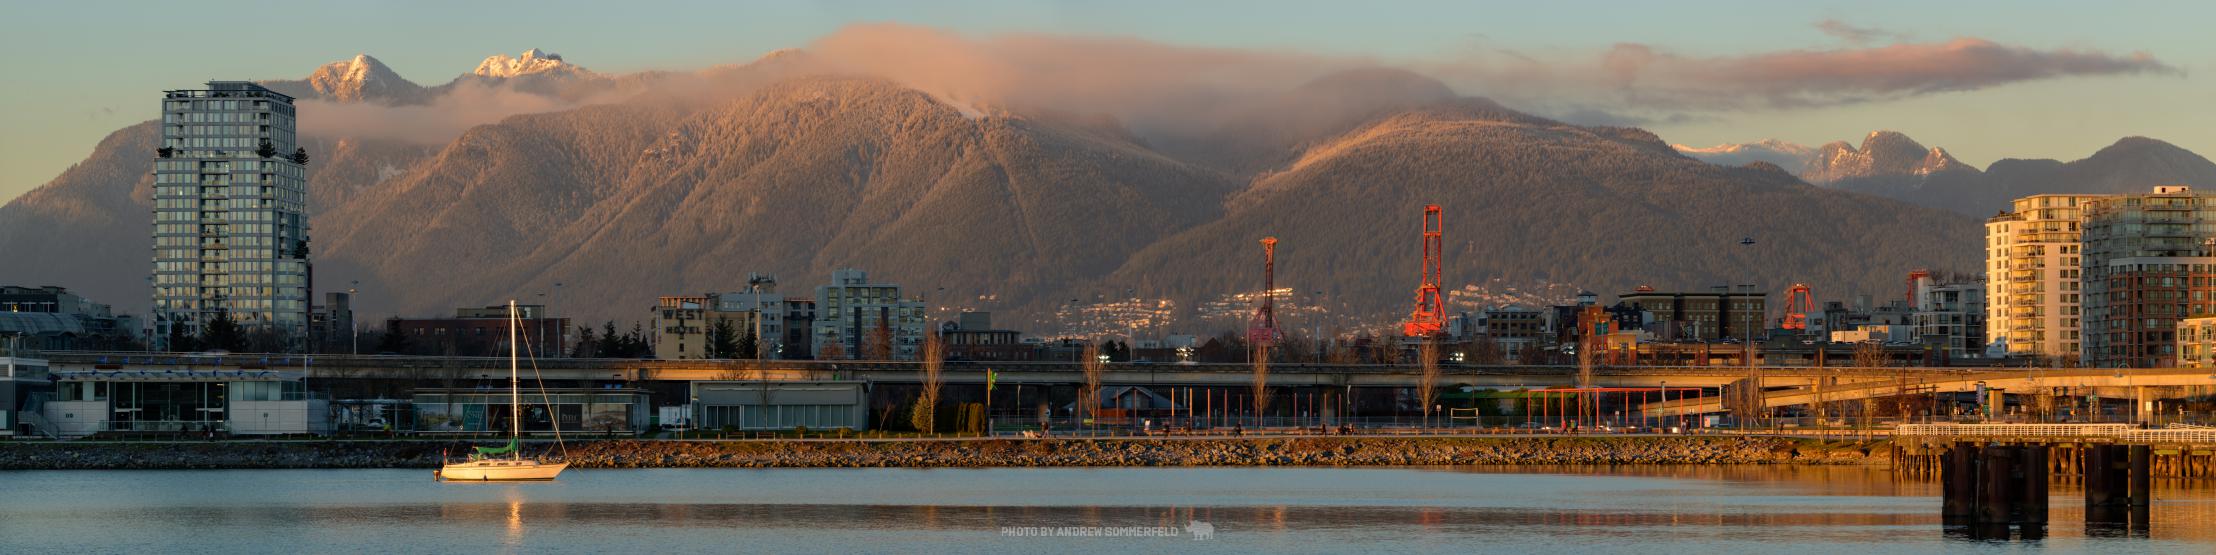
[1324, 451]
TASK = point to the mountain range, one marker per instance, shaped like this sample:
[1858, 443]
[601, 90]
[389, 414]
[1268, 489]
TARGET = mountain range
[1892, 165]
[638, 185]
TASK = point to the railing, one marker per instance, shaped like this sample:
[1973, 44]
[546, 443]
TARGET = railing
[2176, 433]
[2171, 435]
[2013, 430]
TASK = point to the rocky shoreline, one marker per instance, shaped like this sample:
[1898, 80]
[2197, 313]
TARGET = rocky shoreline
[1321, 451]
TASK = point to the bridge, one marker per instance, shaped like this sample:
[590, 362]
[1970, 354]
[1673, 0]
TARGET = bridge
[1783, 386]
[2143, 384]
[402, 367]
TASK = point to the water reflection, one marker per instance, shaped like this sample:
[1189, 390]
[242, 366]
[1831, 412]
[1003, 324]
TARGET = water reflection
[1714, 510]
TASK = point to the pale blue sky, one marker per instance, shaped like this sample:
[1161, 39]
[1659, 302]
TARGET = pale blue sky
[75, 71]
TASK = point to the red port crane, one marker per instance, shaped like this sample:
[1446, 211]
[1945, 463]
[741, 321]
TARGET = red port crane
[1913, 277]
[1799, 302]
[1262, 329]
[1430, 316]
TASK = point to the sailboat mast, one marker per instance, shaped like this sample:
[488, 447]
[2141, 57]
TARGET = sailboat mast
[515, 395]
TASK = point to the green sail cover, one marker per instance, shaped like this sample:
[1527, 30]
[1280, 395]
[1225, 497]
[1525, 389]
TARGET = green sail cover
[489, 451]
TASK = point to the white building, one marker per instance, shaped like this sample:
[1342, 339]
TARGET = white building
[2032, 276]
[230, 212]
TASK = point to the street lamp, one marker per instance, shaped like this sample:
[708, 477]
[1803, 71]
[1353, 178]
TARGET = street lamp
[353, 295]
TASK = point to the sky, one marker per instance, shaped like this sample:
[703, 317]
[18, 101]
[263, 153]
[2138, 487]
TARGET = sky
[1985, 80]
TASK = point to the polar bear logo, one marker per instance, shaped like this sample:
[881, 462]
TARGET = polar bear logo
[1200, 530]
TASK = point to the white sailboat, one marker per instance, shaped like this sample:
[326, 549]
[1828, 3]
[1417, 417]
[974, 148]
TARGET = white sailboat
[486, 463]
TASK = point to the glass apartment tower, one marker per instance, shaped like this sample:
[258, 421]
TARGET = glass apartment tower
[230, 212]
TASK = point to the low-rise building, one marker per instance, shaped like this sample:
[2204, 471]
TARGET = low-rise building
[1699, 316]
[610, 411]
[1518, 330]
[331, 322]
[683, 324]
[23, 385]
[1878, 333]
[483, 332]
[1950, 317]
[52, 318]
[2196, 342]
[971, 336]
[780, 405]
[189, 403]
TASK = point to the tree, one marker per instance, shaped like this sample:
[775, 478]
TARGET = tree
[1427, 385]
[392, 341]
[266, 150]
[223, 333]
[723, 341]
[300, 156]
[181, 342]
[934, 364]
[831, 350]
[634, 343]
[611, 344]
[586, 345]
[1088, 400]
[746, 346]
[878, 345]
[1488, 351]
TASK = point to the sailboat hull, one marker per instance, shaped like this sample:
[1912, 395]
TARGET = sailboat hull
[501, 471]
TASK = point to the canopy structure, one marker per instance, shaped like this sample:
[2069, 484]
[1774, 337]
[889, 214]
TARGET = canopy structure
[490, 451]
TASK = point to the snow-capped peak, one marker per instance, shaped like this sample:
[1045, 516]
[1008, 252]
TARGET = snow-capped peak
[357, 79]
[532, 61]
[1781, 153]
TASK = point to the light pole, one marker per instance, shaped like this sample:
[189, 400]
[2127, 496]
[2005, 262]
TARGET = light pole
[353, 296]
[1754, 377]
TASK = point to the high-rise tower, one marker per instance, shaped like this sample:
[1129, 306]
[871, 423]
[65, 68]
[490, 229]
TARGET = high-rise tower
[230, 213]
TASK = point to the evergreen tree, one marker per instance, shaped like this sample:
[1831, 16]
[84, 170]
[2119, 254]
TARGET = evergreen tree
[723, 340]
[746, 346]
[392, 341]
[181, 342]
[585, 343]
[635, 345]
[223, 333]
[611, 345]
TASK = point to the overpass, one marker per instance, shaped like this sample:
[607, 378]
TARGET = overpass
[437, 368]
[2137, 383]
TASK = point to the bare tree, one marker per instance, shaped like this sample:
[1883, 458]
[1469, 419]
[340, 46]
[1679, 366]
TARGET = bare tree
[878, 345]
[1427, 385]
[1088, 401]
[1488, 351]
[933, 367]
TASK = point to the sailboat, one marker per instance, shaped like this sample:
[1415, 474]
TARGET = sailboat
[504, 464]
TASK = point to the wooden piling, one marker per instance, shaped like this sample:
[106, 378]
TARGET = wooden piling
[2142, 476]
[1996, 499]
[1960, 481]
[2034, 483]
[2096, 474]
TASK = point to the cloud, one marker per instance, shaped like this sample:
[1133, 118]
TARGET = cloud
[1802, 78]
[469, 103]
[1857, 35]
[1145, 83]
[1645, 77]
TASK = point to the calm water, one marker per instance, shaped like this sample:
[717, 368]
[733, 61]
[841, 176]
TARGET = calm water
[1706, 510]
